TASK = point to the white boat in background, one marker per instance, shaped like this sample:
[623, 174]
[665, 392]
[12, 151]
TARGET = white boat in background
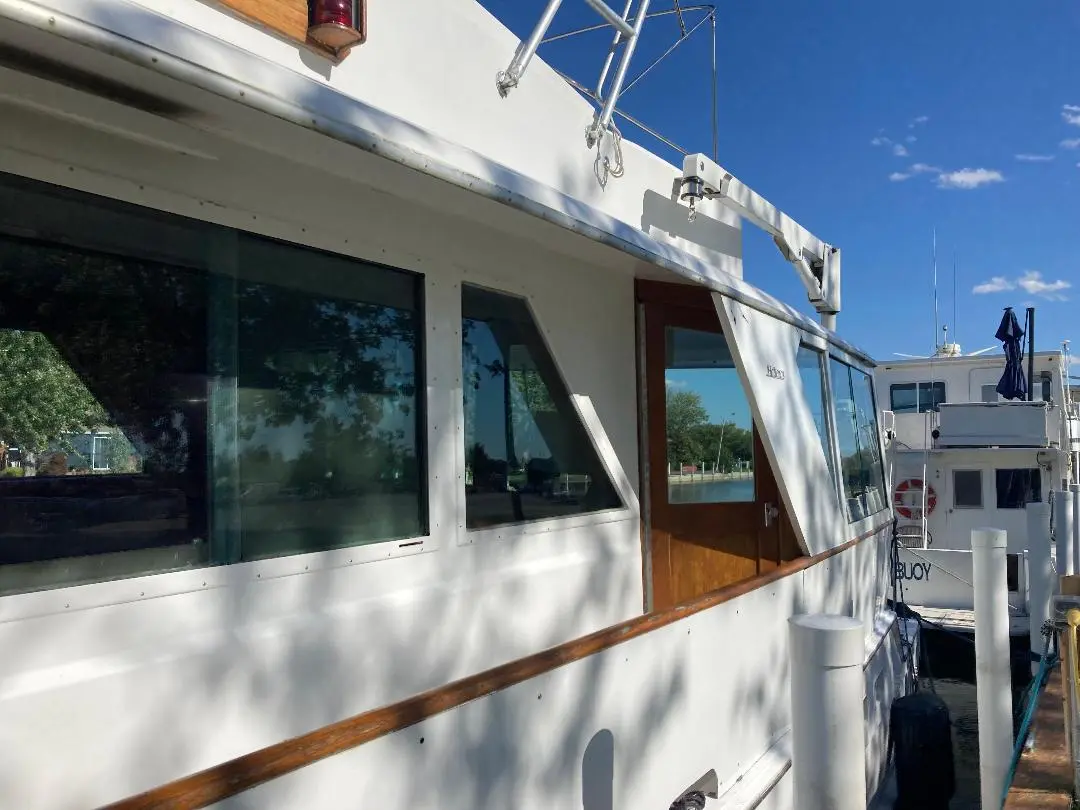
[983, 459]
[379, 356]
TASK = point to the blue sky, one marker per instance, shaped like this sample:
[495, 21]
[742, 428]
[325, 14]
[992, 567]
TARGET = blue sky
[873, 124]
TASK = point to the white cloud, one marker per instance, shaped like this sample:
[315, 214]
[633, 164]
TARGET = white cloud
[898, 177]
[1027, 158]
[1032, 282]
[911, 139]
[899, 150]
[969, 178]
[880, 140]
[1071, 143]
[996, 284]
[1071, 114]
[924, 168]
[922, 119]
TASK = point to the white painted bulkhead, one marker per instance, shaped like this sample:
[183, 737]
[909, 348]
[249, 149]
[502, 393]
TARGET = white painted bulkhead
[112, 688]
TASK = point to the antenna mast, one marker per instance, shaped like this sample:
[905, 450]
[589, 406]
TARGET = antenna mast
[934, 258]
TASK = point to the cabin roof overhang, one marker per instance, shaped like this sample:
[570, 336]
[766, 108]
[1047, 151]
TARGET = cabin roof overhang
[234, 93]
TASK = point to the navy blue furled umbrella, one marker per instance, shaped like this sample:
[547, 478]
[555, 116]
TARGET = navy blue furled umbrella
[1012, 384]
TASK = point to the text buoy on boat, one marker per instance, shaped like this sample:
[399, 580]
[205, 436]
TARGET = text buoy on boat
[908, 499]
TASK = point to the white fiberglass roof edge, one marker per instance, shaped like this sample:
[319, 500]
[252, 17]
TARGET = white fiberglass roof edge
[351, 121]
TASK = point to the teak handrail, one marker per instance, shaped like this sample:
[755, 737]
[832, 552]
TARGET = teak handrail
[220, 782]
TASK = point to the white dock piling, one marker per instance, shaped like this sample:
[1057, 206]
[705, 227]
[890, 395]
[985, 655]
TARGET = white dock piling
[1040, 590]
[1074, 490]
[827, 687]
[1063, 533]
[993, 680]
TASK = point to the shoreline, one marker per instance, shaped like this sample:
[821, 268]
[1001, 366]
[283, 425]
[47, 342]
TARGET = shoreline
[699, 478]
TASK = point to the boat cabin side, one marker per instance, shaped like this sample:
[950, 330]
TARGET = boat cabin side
[953, 402]
[296, 431]
[983, 457]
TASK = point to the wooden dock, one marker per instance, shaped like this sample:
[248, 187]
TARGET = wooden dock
[1044, 777]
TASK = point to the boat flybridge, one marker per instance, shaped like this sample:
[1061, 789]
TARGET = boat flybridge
[370, 440]
[961, 456]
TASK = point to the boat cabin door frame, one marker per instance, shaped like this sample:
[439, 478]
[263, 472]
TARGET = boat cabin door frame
[719, 519]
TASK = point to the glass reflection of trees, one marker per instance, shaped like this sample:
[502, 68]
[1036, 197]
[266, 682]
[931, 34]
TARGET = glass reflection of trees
[96, 345]
[328, 426]
[527, 454]
[128, 382]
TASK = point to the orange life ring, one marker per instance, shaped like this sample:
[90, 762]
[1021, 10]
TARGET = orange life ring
[903, 499]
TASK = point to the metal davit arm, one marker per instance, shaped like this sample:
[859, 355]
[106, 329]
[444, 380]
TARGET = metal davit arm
[817, 263]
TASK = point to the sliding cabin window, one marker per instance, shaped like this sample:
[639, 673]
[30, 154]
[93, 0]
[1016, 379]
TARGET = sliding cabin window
[527, 454]
[328, 446]
[862, 470]
[1017, 488]
[174, 394]
[916, 397]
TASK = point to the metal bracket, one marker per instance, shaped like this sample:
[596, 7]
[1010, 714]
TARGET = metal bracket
[816, 262]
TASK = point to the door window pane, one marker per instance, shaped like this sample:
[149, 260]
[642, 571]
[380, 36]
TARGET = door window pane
[329, 422]
[527, 454]
[103, 379]
[967, 489]
[710, 437]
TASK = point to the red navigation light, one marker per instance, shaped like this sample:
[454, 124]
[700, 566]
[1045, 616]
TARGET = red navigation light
[336, 24]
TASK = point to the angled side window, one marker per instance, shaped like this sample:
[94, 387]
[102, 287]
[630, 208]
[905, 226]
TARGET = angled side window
[527, 453]
[811, 364]
[862, 471]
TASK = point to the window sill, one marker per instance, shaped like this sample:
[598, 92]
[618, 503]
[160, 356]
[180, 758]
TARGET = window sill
[511, 531]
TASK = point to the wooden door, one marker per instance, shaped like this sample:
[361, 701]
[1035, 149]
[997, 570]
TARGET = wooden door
[717, 519]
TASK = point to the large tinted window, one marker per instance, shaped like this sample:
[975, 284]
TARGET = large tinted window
[862, 471]
[328, 431]
[527, 454]
[175, 394]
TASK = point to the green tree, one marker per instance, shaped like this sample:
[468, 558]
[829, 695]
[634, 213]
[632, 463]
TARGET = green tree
[685, 414]
[41, 398]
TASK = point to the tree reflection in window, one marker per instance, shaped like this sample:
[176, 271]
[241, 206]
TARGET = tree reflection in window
[328, 418]
[102, 411]
[527, 455]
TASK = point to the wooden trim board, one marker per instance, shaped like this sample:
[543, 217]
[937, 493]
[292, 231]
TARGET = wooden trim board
[230, 778]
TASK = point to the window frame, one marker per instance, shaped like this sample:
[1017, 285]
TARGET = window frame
[217, 258]
[1029, 470]
[886, 494]
[982, 494]
[831, 446]
[591, 424]
[918, 386]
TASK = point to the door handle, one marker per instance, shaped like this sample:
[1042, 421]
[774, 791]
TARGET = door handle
[771, 513]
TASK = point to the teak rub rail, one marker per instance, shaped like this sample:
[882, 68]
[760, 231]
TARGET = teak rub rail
[230, 778]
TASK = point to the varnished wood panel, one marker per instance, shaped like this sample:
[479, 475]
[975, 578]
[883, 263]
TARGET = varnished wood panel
[230, 778]
[287, 18]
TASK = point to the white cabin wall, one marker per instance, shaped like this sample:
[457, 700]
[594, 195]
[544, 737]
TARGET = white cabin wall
[951, 527]
[235, 658]
[629, 728]
[433, 63]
